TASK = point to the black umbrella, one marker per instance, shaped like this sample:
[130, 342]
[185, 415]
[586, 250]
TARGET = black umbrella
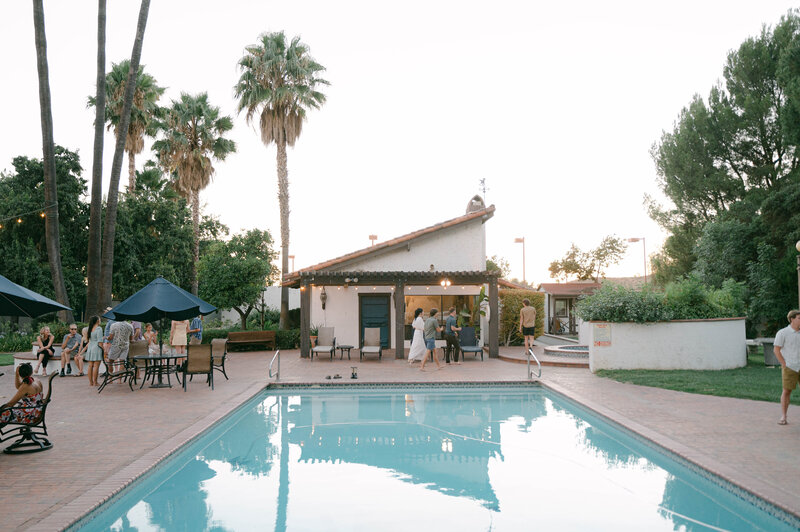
[159, 300]
[16, 300]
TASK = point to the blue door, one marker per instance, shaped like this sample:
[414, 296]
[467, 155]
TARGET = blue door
[373, 311]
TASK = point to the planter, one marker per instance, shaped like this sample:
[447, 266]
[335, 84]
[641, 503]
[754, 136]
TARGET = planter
[681, 344]
[313, 341]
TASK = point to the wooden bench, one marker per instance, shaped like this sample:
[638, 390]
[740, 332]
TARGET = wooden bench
[267, 338]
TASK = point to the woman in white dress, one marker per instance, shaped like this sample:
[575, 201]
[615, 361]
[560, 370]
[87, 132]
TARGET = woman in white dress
[417, 352]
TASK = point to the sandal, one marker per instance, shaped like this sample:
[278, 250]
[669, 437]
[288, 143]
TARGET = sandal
[782, 422]
[327, 377]
[337, 376]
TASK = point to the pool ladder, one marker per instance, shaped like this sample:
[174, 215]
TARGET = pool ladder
[278, 373]
[530, 371]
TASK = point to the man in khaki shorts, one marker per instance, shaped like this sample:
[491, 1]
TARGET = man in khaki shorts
[787, 351]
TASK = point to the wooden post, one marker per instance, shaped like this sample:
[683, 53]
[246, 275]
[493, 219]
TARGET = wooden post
[305, 320]
[494, 320]
[399, 320]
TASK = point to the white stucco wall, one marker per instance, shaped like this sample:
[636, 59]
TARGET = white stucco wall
[459, 248]
[680, 344]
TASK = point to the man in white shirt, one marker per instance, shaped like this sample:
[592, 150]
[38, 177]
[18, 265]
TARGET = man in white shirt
[787, 351]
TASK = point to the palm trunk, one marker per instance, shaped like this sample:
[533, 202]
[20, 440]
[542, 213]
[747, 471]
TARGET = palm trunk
[116, 165]
[131, 172]
[49, 163]
[283, 202]
[96, 209]
[196, 232]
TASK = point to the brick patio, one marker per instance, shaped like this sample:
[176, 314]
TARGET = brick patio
[102, 442]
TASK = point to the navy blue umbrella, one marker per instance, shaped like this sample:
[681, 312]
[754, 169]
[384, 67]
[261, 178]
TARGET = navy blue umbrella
[160, 299]
[16, 300]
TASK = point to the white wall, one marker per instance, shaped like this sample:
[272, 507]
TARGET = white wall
[680, 344]
[459, 248]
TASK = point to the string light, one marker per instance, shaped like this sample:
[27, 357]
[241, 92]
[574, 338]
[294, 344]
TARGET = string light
[18, 217]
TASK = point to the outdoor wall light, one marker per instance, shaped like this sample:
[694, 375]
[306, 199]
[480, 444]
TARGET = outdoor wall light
[445, 283]
[323, 297]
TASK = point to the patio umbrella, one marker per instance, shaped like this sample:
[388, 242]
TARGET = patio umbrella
[160, 300]
[16, 300]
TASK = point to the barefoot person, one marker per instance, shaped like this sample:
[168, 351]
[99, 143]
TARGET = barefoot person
[94, 351]
[527, 323]
[28, 398]
[431, 328]
[787, 351]
[44, 342]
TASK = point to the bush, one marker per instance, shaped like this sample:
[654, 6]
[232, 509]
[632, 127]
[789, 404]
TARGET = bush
[510, 302]
[288, 339]
[682, 300]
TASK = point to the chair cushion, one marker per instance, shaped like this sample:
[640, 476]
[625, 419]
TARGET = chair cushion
[370, 349]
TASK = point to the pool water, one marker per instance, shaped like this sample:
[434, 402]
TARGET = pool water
[424, 458]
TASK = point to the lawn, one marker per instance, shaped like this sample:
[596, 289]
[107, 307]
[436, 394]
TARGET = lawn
[754, 381]
[6, 359]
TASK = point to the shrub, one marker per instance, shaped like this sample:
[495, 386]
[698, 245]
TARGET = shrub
[510, 303]
[682, 300]
[288, 339]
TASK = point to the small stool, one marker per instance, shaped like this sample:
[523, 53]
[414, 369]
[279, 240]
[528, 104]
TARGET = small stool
[342, 349]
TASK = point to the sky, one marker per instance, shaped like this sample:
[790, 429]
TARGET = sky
[556, 105]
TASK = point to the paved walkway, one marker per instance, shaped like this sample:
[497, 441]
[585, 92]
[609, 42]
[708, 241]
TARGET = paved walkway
[102, 442]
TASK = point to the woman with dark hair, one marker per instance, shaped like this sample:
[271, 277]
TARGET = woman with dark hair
[417, 351]
[94, 352]
[28, 398]
[45, 343]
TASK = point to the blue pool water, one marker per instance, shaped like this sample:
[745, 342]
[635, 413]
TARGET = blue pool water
[425, 458]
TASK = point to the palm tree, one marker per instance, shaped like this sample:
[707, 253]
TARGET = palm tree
[193, 132]
[143, 111]
[279, 84]
[110, 229]
[49, 162]
[96, 208]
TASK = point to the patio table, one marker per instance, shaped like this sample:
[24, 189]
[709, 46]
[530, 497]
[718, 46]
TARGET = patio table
[158, 365]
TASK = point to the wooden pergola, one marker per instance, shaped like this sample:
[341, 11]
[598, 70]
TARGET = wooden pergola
[305, 279]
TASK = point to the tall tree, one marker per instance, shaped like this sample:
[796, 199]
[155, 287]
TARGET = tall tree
[279, 83]
[96, 210]
[585, 265]
[48, 150]
[193, 131]
[143, 111]
[109, 230]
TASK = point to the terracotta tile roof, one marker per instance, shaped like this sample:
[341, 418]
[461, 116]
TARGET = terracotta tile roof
[569, 289]
[486, 213]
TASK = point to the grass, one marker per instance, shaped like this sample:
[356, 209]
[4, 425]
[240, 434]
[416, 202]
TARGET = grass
[6, 359]
[754, 381]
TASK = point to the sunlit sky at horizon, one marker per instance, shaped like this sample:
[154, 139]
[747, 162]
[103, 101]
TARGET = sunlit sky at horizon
[555, 105]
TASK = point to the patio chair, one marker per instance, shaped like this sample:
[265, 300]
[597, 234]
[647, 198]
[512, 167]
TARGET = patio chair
[198, 362]
[371, 343]
[219, 352]
[469, 343]
[138, 349]
[326, 342]
[32, 433]
[118, 370]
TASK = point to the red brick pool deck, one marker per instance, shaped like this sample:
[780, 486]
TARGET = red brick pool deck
[102, 442]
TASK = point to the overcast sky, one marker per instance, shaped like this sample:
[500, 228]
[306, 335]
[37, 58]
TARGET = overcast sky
[554, 104]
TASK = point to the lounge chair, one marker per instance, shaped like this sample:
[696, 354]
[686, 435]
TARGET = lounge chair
[371, 343]
[469, 343]
[199, 361]
[219, 352]
[32, 434]
[326, 342]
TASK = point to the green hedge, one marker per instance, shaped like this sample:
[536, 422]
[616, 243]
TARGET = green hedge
[686, 299]
[510, 305]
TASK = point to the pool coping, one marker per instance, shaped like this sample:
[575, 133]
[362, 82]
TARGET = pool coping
[73, 512]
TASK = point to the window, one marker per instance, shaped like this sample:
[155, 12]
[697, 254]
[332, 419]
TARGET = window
[562, 308]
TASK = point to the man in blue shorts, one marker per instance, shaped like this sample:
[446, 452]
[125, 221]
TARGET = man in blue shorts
[429, 334]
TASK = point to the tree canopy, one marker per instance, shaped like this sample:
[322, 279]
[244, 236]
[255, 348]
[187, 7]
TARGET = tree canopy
[584, 265]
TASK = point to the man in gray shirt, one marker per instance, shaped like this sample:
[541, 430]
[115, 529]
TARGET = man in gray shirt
[69, 347]
[429, 334]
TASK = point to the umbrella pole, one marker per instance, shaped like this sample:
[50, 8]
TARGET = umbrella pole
[160, 341]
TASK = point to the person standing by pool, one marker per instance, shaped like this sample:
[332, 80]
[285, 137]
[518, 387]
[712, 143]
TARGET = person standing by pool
[177, 336]
[787, 351]
[527, 323]
[429, 333]
[94, 351]
[417, 351]
[451, 336]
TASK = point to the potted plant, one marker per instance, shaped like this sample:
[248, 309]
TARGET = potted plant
[313, 333]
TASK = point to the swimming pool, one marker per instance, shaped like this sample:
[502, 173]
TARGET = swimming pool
[421, 458]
